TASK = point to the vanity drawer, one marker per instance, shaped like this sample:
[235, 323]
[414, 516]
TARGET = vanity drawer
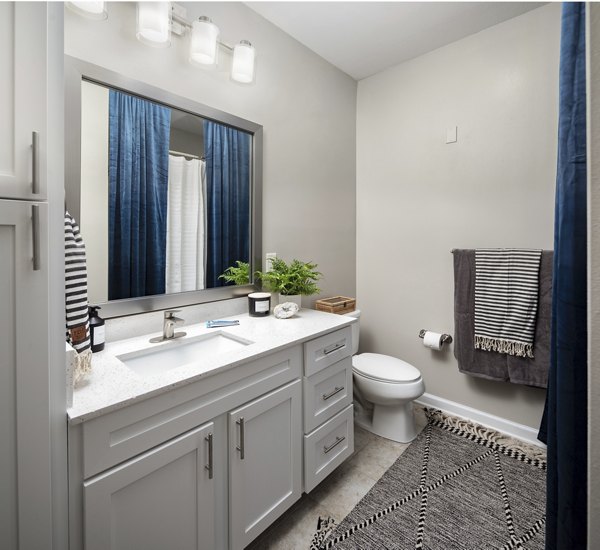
[327, 350]
[117, 436]
[327, 447]
[327, 392]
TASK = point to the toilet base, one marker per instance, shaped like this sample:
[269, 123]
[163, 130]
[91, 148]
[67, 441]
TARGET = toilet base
[396, 422]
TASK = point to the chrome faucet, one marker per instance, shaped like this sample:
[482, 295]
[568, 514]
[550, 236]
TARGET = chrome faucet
[169, 324]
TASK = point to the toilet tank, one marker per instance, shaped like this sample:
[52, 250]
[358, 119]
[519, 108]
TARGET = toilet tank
[355, 330]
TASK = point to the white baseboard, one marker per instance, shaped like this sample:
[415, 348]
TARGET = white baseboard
[508, 427]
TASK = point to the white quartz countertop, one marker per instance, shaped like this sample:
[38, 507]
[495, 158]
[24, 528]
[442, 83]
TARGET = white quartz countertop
[112, 385]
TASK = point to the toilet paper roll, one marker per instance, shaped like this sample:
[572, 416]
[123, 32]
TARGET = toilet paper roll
[432, 340]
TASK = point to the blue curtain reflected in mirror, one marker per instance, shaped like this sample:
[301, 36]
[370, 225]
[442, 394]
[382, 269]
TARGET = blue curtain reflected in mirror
[138, 172]
[228, 198]
[179, 206]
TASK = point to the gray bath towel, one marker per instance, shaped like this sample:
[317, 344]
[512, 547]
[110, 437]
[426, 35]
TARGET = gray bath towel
[494, 366]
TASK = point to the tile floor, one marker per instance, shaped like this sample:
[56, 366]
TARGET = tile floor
[337, 494]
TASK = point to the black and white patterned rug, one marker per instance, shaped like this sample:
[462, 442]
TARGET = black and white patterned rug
[458, 486]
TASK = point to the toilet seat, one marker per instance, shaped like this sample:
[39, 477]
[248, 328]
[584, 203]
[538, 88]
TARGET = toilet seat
[384, 368]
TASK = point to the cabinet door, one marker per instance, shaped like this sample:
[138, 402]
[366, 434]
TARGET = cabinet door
[164, 498]
[23, 34]
[265, 453]
[25, 495]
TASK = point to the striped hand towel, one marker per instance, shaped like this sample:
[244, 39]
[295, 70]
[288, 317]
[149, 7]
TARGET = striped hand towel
[506, 299]
[76, 301]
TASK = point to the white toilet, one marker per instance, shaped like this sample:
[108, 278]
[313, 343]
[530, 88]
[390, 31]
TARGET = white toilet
[391, 385]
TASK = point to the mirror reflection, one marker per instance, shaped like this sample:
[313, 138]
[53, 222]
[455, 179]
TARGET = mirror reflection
[165, 196]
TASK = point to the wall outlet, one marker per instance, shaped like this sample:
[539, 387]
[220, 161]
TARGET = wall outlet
[269, 256]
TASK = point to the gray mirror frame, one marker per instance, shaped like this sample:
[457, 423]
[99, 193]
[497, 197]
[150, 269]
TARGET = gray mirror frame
[77, 70]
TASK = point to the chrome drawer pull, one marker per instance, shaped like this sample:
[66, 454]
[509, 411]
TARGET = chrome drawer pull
[35, 168]
[326, 396]
[209, 466]
[338, 440]
[35, 224]
[240, 447]
[333, 348]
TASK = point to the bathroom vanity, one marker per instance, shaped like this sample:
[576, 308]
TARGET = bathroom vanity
[208, 454]
[200, 442]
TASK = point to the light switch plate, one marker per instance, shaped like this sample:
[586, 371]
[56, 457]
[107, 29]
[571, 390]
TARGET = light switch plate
[451, 134]
[269, 256]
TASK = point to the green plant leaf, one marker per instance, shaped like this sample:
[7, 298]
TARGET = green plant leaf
[238, 274]
[296, 278]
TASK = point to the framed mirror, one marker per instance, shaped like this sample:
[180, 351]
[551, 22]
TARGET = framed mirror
[167, 192]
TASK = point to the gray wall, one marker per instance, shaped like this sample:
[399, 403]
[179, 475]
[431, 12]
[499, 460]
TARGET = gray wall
[186, 142]
[418, 197]
[306, 106]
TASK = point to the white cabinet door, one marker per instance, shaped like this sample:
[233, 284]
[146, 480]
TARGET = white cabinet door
[162, 499]
[265, 462]
[23, 77]
[24, 400]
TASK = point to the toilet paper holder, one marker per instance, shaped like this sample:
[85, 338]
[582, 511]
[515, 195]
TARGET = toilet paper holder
[446, 338]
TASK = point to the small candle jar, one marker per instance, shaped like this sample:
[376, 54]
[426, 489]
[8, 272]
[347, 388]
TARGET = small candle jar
[259, 304]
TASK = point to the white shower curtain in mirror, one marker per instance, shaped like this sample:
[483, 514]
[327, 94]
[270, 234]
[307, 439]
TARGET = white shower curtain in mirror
[186, 222]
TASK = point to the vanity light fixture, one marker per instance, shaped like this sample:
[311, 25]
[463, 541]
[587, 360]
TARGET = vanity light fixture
[90, 9]
[242, 68]
[154, 23]
[204, 42]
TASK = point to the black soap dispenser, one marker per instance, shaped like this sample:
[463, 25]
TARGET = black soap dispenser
[96, 329]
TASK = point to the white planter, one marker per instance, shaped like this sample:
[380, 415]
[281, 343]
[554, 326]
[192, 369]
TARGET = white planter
[294, 298]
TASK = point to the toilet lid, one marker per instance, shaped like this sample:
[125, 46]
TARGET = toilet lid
[384, 367]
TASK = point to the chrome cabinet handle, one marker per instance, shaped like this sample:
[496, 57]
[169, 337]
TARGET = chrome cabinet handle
[333, 348]
[326, 396]
[35, 169]
[338, 440]
[209, 466]
[241, 446]
[35, 225]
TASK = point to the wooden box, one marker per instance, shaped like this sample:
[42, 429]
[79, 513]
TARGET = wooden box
[337, 304]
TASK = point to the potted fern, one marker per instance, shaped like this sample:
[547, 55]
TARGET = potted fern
[291, 281]
[238, 274]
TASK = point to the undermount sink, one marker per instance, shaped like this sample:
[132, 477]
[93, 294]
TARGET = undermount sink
[176, 353]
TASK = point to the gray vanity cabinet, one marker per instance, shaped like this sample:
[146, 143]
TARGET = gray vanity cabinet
[147, 477]
[265, 462]
[23, 99]
[328, 409]
[164, 498]
[211, 464]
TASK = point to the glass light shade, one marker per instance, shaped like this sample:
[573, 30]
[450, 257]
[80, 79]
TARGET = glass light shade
[204, 43]
[242, 68]
[154, 23]
[91, 10]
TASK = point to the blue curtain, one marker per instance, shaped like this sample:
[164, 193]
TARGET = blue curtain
[138, 175]
[564, 427]
[227, 153]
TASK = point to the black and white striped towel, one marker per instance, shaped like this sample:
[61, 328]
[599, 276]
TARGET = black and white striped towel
[506, 299]
[76, 300]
